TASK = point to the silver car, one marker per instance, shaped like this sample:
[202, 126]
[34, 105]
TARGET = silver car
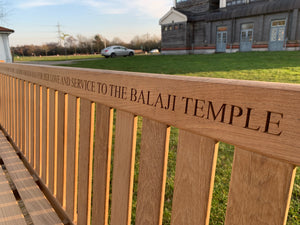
[116, 50]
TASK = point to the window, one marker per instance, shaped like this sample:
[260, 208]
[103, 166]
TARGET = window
[237, 2]
[176, 27]
[277, 23]
[170, 28]
[222, 28]
[247, 26]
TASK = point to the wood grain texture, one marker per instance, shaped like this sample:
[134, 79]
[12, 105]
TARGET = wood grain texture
[31, 124]
[70, 154]
[260, 190]
[85, 158]
[10, 213]
[38, 132]
[51, 139]
[26, 108]
[59, 145]
[269, 123]
[102, 160]
[194, 179]
[37, 205]
[152, 172]
[18, 127]
[9, 106]
[43, 157]
[16, 111]
[22, 114]
[123, 173]
[12, 96]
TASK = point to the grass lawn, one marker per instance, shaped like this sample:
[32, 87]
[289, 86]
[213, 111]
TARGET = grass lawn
[55, 58]
[262, 66]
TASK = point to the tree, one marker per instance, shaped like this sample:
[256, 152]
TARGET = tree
[72, 43]
[45, 49]
[98, 43]
[117, 41]
[3, 11]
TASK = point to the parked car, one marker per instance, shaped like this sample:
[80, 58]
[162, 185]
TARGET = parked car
[154, 51]
[116, 50]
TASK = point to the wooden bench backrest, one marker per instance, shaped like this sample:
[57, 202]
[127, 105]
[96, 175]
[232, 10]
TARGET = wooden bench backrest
[62, 120]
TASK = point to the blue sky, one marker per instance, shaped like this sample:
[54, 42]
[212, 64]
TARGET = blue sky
[35, 21]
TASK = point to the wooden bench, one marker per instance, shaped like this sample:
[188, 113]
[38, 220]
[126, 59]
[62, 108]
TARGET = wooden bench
[70, 126]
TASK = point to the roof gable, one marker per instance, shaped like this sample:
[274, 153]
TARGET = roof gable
[6, 30]
[173, 16]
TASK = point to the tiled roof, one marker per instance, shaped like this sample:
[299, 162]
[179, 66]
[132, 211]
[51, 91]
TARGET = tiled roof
[6, 30]
[252, 9]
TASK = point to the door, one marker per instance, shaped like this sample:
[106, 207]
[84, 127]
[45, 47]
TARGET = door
[277, 35]
[221, 40]
[246, 38]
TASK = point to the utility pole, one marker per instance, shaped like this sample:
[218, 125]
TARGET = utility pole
[59, 34]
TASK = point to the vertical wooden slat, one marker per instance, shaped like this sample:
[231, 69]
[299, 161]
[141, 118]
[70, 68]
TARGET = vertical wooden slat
[102, 159]
[50, 138]
[12, 93]
[37, 129]
[152, 172]
[123, 173]
[22, 116]
[260, 190]
[194, 178]
[10, 107]
[59, 145]
[31, 124]
[26, 106]
[1, 101]
[18, 113]
[7, 104]
[70, 154]
[86, 132]
[15, 112]
[43, 159]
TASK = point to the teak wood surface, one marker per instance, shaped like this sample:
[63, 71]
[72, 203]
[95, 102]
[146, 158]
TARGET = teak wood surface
[256, 99]
[67, 132]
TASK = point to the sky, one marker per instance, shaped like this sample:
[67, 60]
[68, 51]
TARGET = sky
[36, 21]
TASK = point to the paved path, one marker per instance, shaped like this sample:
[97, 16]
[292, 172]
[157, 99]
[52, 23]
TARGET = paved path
[55, 63]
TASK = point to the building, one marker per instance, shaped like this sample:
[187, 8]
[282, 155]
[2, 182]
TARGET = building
[5, 54]
[209, 26]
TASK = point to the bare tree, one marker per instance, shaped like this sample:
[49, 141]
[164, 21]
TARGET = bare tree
[3, 11]
[117, 41]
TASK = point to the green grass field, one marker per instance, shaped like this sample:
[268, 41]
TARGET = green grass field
[262, 66]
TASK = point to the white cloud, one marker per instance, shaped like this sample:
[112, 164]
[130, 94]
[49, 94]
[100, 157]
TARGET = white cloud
[41, 3]
[149, 8]
[152, 8]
